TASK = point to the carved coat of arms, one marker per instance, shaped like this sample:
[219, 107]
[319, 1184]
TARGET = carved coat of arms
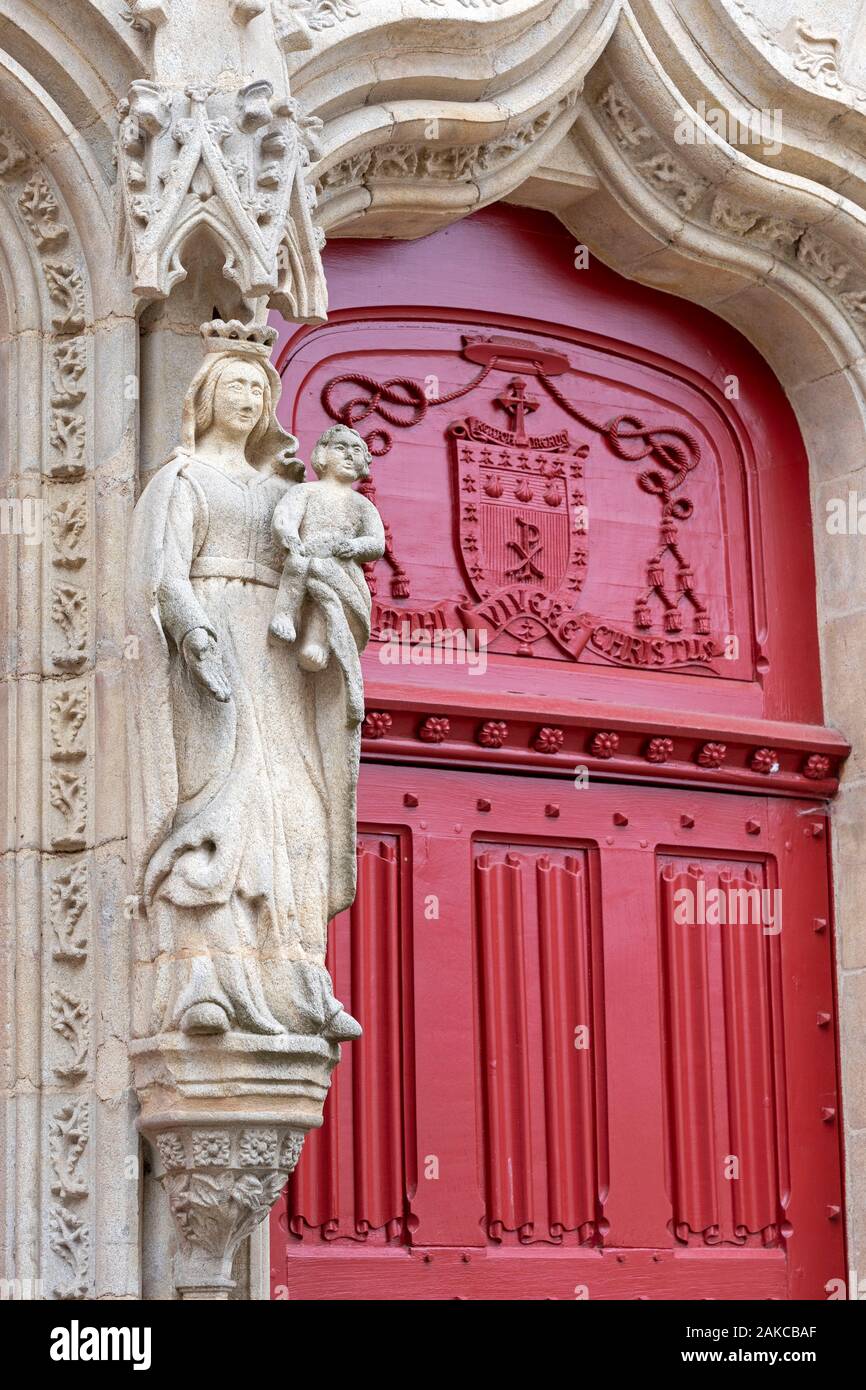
[521, 515]
[521, 520]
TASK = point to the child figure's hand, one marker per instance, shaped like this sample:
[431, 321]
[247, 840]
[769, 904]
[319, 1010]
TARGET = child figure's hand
[290, 541]
[343, 550]
[326, 546]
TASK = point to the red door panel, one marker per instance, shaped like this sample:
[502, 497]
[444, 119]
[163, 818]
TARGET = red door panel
[727, 1152]
[535, 1012]
[354, 1179]
[564, 1089]
[472, 1150]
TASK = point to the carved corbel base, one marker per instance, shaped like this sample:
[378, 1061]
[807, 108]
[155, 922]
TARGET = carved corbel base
[227, 1121]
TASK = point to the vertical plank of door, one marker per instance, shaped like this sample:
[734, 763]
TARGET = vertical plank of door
[638, 1207]
[814, 1228]
[448, 1206]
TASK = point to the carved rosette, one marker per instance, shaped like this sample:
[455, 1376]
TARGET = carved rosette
[221, 1181]
[234, 162]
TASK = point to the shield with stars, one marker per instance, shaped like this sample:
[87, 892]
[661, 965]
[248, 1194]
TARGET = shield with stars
[521, 509]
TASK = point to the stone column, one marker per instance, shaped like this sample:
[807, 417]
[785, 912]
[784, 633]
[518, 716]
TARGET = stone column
[217, 222]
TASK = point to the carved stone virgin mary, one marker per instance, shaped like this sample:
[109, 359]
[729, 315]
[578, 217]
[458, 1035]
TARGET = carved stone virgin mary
[243, 765]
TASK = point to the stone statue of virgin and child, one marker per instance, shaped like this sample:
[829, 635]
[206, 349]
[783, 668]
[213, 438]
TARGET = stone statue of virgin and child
[246, 591]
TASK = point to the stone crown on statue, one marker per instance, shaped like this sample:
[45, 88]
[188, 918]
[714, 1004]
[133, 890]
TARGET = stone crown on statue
[234, 336]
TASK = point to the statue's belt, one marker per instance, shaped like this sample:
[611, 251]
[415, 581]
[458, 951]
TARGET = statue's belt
[217, 567]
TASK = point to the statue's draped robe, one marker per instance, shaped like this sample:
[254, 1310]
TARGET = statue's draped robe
[243, 813]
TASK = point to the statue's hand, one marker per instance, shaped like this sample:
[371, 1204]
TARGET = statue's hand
[343, 550]
[290, 541]
[204, 661]
[320, 549]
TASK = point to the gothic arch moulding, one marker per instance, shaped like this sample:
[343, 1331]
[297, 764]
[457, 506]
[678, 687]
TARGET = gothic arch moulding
[69, 462]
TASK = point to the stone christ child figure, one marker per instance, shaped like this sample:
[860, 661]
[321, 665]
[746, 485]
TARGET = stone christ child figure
[322, 525]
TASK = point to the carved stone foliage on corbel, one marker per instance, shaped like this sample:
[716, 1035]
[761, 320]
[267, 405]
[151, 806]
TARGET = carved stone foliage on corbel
[226, 1118]
[790, 240]
[234, 162]
[221, 1181]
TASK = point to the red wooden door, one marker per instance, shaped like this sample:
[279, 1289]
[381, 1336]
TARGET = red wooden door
[562, 1093]
[593, 698]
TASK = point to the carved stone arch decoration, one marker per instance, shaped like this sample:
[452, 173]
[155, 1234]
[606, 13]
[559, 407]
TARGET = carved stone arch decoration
[82, 79]
[69, 465]
[396, 156]
[594, 118]
[707, 221]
